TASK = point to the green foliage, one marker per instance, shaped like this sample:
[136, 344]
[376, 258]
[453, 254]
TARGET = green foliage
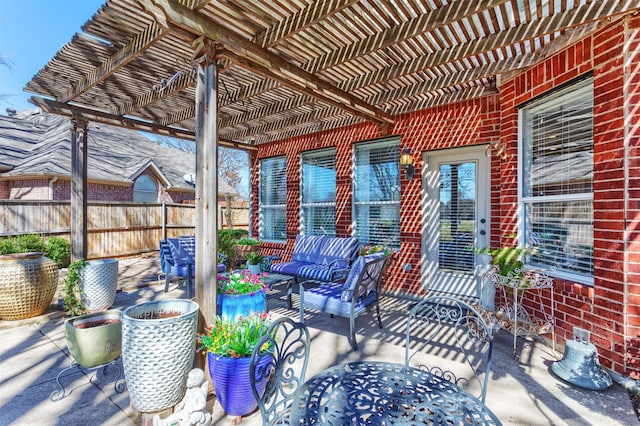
[8, 246]
[59, 250]
[371, 249]
[240, 283]
[247, 242]
[72, 297]
[22, 244]
[254, 258]
[508, 259]
[235, 339]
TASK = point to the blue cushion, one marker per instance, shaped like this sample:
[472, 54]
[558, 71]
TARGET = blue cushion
[188, 246]
[307, 247]
[327, 298]
[340, 250]
[182, 250]
[355, 272]
[288, 268]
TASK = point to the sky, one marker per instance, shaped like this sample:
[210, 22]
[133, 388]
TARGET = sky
[31, 33]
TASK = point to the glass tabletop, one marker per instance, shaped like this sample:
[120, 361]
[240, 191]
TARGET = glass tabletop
[382, 393]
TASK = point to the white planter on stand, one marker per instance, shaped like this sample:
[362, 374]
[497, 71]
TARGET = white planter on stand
[98, 283]
[487, 289]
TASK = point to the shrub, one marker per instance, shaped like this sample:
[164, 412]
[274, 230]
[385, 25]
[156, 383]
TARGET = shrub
[22, 244]
[59, 250]
[30, 242]
[247, 242]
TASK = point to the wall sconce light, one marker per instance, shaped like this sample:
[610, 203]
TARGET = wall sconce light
[406, 161]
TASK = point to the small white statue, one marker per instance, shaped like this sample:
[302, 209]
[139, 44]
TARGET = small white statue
[191, 410]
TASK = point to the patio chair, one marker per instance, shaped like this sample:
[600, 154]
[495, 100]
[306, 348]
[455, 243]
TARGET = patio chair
[350, 299]
[284, 369]
[441, 325]
[175, 267]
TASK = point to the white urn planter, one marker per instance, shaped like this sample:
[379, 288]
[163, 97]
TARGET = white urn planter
[158, 348]
[98, 283]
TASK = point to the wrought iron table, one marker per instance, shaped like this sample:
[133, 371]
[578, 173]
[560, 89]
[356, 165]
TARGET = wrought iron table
[382, 393]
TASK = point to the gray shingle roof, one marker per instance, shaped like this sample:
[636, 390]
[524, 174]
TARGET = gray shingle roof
[34, 143]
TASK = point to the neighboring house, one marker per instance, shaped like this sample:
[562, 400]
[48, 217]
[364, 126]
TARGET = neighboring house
[123, 164]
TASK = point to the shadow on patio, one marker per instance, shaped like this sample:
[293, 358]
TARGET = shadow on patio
[520, 392]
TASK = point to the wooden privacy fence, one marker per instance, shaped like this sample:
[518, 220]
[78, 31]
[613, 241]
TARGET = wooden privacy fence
[114, 229]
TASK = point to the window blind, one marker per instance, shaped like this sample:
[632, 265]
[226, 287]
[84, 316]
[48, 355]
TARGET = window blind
[318, 193]
[557, 181]
[273, 200]
[377, 192]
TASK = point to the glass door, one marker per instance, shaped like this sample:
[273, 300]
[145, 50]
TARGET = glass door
[456, 218]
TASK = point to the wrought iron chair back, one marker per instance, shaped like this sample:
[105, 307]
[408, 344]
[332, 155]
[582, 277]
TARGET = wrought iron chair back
[446, 325]
[286, 368]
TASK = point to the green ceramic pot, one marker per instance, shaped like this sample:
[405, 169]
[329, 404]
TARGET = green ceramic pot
[95, 339]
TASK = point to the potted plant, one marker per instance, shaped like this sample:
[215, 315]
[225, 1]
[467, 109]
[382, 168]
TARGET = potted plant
[254, 260]
[375, 248]
[240, 293]
[90, 285]
[158, 348]
[244, 246]
[28, 279]
[96, 338]
[228, 345]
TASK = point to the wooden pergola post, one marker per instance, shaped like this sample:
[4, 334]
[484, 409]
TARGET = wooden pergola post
[206, 184]
[79, 194]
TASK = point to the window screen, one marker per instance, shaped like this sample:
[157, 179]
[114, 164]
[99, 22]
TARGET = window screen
[273, 200]
[318, 193]
[377, 192]
[557, 194]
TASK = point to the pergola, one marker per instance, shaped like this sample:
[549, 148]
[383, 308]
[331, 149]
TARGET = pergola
[242, 73]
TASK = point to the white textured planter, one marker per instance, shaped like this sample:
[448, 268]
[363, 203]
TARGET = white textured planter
[254, 269]
[98, 283]
[157, 354]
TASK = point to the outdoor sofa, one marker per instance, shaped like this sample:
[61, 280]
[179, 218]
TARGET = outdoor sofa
[320, 258]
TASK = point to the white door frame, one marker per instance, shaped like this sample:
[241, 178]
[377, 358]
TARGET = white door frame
[431, 278]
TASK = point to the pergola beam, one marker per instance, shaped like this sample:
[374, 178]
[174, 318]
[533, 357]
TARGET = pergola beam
[265, 62]
[447, 14]
[59, 108]
[138, 44]
[581, 16]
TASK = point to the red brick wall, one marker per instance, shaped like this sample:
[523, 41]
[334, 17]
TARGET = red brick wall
[631, 64]
[95, 191]
[103, 192]
[609, 309]
[29, 189]
[462, 124]
[4, 190]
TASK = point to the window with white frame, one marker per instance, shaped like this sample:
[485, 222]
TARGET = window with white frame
[557, 181]
[376, 192]
[318, 192]
[145, 190]
[272, 208]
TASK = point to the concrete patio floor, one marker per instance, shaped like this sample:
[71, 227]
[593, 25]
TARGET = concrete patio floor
[521, 392]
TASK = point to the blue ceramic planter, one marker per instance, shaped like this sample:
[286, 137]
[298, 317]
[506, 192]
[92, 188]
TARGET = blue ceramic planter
[232, 384]
[232, 306]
